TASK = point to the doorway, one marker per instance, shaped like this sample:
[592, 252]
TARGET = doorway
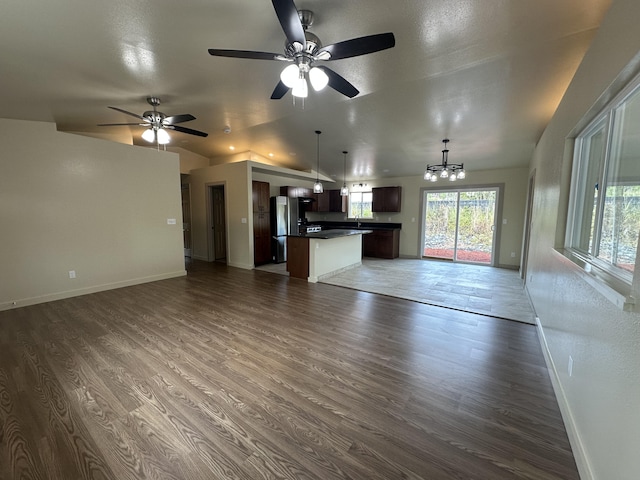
[459, 225]
[185, 191]
[217, 251]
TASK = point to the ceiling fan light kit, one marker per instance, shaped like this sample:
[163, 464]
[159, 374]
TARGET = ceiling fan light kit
[452, 171]
[157, 123]
[303, 49]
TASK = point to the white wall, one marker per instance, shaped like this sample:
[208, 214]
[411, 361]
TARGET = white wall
[601, 400]
[236, 178]
[70, 202]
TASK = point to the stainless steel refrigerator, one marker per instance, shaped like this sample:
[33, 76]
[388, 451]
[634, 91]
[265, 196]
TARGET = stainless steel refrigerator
[285, 213]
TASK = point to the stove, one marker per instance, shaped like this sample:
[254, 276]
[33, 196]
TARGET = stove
[310, 229]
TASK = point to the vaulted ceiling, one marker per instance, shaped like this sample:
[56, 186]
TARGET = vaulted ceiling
[486, 74]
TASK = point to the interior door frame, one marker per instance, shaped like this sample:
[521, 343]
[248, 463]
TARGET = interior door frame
[459, 188]
[528, 219]
[210, 236]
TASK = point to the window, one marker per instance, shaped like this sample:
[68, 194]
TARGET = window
[360, 205]
[604, 223]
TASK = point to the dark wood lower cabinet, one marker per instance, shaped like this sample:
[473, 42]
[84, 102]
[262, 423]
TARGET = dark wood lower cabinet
[298, 257]
[381, 244]
[261, 238]
[261, 223]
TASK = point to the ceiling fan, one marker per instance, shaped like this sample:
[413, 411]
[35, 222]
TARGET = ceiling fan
[303, 49]
[158, 123]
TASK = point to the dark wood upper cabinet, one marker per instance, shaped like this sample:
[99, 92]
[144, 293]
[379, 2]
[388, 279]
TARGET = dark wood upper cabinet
[322, 201]
[386, 199]
[295, 192]
[337, 203]
[331, 201]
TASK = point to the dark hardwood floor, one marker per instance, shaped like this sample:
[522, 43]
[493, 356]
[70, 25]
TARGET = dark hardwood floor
[228, 374]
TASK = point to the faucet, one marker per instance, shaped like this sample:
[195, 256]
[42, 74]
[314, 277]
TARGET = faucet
[357, 222]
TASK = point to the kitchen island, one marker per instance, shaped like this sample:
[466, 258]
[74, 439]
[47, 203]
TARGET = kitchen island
[318, 255]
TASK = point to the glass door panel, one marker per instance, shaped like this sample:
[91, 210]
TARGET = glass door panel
[476, 226]
[460, 225]
[441, 210]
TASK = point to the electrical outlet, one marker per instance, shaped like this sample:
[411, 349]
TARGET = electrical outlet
[570, 365]
[513, 254]
[72, 274]
[171, 221]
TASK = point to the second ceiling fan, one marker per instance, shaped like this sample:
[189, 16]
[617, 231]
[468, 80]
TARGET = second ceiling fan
[303, 49]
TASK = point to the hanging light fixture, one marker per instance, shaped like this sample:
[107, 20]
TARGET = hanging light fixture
[154, 134]
[163, 136]
[452, 171]
[317, 187]
[294, 76]
[344, 191]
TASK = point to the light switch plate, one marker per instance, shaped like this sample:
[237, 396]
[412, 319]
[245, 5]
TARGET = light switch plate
[171, 221]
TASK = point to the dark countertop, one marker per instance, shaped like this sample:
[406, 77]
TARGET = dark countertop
[335, 233]
[365, 225]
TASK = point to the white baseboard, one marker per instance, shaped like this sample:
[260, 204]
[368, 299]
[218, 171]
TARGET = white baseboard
[51, 297]
[579, 453]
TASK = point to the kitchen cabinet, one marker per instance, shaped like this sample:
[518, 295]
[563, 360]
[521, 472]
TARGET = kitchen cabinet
[331, 201]
[261, 223]
[295, 192]
[386, 199]
[298, 257]
[381, 244]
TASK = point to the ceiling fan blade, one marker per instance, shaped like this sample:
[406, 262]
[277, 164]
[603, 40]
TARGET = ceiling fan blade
[190, 131]
[280, 91]
[187, 117]
[359, 46]
[339, 83]
[128, 113]
[290, 21]
[216, 52]
[122, 124]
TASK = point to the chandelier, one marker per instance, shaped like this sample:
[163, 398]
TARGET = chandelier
[452, 171]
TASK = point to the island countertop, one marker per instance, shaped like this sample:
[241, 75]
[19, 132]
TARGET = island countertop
[317, 255]
[335, 233]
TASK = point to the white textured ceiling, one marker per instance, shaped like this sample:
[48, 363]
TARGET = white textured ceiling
[486, 74]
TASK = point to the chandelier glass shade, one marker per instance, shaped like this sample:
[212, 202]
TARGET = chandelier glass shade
[344, 191]
[445, 170]
[317, 187]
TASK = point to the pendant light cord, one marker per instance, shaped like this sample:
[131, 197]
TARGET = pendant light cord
[318, 132]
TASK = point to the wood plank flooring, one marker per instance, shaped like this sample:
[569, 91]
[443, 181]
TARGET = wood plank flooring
[234, 374]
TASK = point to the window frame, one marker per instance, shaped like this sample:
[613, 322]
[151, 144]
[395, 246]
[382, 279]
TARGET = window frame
[605, 273]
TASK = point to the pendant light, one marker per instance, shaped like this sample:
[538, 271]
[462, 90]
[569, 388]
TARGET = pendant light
[344, 191]
[317, 187]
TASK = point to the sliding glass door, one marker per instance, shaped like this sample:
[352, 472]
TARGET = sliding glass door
[459, 225]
